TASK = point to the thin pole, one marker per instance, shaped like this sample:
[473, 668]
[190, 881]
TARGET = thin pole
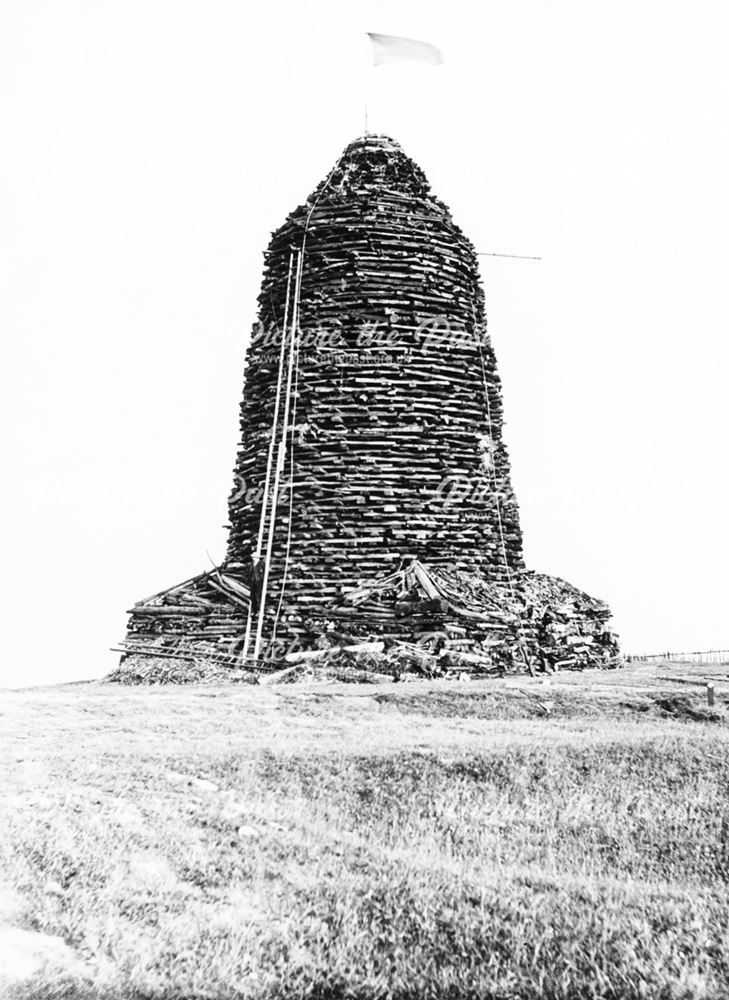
[295, 348]
[264, 502]
[516, 256]
[367, 72]
[280, 458]
[366, 100]
[269, 463]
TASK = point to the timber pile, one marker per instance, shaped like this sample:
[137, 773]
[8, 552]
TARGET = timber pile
[372, 462]
[376, 430]
[439, 620]
[200, 622]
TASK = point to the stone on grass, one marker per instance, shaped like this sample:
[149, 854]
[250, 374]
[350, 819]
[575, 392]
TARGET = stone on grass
[203, 785]
[248, 831]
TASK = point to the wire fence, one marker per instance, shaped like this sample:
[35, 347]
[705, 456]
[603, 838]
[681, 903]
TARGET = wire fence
[698, 656]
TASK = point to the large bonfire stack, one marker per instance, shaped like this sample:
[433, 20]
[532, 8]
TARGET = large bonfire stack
[372, 515]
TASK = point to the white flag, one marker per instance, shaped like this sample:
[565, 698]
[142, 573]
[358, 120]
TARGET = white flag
[393, 48]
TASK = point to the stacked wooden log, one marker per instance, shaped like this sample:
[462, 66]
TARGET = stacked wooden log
[445, 619]
[390, 424]
[202, 620]
[372, 464]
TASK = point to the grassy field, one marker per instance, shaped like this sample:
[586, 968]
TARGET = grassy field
[502, 839]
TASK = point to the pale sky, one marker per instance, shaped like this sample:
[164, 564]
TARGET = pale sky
[151, 147]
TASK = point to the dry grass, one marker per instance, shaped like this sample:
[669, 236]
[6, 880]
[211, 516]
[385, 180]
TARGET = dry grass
[423, 840]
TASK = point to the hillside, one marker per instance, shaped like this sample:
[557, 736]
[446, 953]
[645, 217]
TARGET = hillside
[430, 839]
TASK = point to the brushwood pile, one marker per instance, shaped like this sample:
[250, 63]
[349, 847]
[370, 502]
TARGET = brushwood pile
[373, 526]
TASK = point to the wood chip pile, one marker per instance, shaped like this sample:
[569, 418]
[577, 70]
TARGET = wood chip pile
[395, 517]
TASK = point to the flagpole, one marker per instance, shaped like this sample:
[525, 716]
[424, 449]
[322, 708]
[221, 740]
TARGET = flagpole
[395, 48]
[366, 88]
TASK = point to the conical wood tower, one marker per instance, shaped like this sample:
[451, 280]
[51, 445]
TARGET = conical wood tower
[372, 486]
[394, 425]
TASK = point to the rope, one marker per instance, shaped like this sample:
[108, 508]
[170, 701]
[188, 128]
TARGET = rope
[291, 498]
[499, 520]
